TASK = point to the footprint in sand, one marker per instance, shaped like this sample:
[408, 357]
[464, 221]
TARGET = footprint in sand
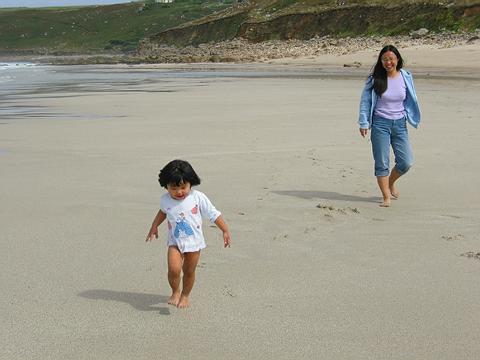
[309, 230]
[329, 217]
[228, 292]
[343, 211]
[280, 237]
[471, 255]
[451, 216]
[311, 155]
[453, 237]
[346, 172]
[325, 207]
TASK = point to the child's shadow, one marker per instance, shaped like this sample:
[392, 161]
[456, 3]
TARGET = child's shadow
[139, 301]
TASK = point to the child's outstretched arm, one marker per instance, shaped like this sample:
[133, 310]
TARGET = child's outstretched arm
[222, 225]
[153, 233]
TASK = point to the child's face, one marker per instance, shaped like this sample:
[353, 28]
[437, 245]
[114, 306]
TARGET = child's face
[179, 192]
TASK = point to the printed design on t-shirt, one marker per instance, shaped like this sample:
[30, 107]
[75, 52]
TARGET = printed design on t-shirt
[182, 227]
[195, 210]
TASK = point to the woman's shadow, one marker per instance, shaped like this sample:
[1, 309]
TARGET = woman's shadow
[327, 195]
[139, 301]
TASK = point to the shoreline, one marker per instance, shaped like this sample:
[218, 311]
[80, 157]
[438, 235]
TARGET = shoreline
[318, 50]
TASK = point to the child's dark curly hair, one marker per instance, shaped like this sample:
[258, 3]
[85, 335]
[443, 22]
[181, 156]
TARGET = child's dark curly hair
[178, 172]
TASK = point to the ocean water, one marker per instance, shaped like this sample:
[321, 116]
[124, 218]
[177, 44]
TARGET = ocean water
[20, 82]
[12, 72]
[21, 79]
[15, 78]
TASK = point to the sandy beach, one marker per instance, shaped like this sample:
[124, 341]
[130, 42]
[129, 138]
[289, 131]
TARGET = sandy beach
[317, 270]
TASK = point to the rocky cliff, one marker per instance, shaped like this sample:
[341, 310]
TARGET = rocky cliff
[257, 22]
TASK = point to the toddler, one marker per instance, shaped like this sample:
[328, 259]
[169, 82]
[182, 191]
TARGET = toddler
[183, 208]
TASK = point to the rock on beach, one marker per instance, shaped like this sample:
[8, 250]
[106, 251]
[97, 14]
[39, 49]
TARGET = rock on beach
[241, 50]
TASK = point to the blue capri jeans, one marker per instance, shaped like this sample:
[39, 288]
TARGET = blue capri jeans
[386, 132]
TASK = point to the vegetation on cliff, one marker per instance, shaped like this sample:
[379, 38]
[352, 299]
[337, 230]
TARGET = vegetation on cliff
[260, 20]
[95, 29]
[143, 25]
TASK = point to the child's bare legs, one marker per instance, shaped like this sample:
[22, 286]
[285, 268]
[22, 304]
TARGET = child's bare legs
[190, 261]
[175, 261]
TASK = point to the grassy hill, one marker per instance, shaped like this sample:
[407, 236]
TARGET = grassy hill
[94, 29]
[121, 28]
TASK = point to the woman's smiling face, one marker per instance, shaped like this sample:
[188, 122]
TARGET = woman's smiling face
[389, 62]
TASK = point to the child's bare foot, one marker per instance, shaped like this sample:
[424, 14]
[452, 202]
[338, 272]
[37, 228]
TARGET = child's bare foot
[385, 203]
[183, 302]
[174, 299]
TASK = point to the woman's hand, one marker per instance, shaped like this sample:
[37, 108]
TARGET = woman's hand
[363, 132]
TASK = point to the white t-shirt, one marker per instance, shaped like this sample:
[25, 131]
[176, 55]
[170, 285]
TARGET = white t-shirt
[184, 220]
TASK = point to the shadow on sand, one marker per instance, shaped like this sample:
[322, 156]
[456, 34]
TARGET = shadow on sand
[139, 301]
[327, 195]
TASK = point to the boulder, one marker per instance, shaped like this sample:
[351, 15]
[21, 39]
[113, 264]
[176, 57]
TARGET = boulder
[419, 33]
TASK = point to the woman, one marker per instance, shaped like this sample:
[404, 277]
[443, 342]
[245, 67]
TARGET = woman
[388, 101]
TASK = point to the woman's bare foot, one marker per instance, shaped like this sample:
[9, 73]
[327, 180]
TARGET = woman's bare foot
[174, 299]
[385, 203]
[395, 194]
[183, 302]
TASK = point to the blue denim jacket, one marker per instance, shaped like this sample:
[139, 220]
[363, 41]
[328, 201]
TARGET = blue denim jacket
[369, 100]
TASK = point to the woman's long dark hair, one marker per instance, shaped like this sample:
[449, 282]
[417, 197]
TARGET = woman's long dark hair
[380, 74]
